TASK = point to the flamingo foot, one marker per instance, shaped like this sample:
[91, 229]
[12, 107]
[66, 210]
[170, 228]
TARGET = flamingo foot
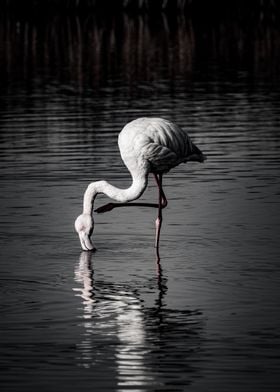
[105, 208]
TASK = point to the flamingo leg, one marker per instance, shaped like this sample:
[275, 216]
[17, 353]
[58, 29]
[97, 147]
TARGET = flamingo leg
[111, 206]
[162, 203]
[163, 200]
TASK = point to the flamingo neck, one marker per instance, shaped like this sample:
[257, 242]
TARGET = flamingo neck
[139, 184]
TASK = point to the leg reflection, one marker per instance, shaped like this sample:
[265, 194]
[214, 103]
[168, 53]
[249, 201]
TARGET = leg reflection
[161, 284]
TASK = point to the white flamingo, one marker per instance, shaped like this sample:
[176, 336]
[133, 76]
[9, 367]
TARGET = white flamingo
[147, 145]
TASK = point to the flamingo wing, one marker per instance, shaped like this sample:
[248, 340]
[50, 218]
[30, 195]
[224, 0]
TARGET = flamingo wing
[161, 158]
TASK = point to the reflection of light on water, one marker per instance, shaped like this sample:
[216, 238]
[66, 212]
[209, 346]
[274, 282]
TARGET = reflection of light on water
[130, 353]
[112, 312]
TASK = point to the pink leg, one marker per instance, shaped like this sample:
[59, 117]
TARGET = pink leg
[162, 203]
[158, 178]
[111, 206]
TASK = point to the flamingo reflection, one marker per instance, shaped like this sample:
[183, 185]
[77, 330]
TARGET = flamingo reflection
[112, 315]
[136, 345]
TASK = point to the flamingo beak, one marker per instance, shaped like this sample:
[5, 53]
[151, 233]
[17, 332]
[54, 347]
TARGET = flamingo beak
[85, 240]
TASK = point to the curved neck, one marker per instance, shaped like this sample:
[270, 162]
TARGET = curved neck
[139, 184]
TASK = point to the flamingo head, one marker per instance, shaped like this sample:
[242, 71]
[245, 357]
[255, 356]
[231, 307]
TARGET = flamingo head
[84, 225]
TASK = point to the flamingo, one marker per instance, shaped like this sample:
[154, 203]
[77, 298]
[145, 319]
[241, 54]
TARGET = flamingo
[147, 145]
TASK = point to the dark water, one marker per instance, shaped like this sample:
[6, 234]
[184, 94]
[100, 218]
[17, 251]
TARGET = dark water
[206, 318]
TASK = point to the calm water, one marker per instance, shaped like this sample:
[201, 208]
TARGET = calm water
[206, 318]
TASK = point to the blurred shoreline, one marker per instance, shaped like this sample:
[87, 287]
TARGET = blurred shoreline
[133, 47]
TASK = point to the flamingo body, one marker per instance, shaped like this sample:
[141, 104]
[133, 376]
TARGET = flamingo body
[147, 145]
[156, 144]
